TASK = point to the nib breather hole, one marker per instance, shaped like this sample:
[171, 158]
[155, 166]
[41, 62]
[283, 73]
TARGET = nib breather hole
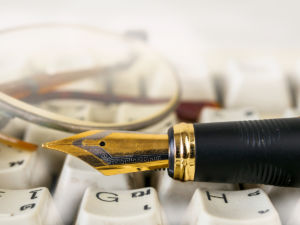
[102, 143]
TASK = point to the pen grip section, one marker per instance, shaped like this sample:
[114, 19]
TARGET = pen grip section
[261, 152]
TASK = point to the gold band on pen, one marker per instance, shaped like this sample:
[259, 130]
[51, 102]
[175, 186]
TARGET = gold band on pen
[184, 152]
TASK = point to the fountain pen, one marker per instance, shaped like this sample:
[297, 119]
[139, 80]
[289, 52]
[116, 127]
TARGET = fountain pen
[258, 152]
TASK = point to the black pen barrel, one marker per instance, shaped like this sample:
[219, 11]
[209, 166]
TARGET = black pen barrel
[260, 152]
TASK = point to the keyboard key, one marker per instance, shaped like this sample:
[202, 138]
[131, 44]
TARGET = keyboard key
[50, 160]
[28, 207]
[160, 82]
[148, 77]
[15, 127]
[19, 169]
[294, 217]
[84, 110]
[259, 84]
[209, 115]
[132, 207]
[128, 112]
[294, 78]
[163, 125]
[198, 90]
[75, 177]
[176, 195]
[131, 83]
[291, 112]
[107, 115]
[231, 208]
[286, 201]
[197, 83]
[77, 109]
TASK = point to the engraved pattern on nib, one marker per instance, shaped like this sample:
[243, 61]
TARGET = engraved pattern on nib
[109, 159]
[95, 150]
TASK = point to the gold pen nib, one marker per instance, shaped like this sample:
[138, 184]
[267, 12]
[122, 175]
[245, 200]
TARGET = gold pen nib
[115, 152]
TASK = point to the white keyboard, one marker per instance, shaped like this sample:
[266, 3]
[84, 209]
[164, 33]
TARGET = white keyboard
[221, 51]
[80, 195]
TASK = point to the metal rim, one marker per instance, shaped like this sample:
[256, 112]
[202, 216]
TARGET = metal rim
[25, 111]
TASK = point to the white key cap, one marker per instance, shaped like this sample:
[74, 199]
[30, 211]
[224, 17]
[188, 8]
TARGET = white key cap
[18, 169]
[176, 195]
[286, 201]
[103, 113]
[75, 177]
[197, 84]
[294, 218]
[128, 84]
[209, 115]
[28, 207]
[149, 76]
[50, 160]
[77, 109]
[260, 84]
[231, 208]
[15, 127]
[163, 125]
[132, 207]
[84, 110]
[161, 83]
[294, 79]
[291, 112]
[128, 112]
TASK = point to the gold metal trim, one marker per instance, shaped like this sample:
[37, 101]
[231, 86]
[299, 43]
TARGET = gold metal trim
[184, 152]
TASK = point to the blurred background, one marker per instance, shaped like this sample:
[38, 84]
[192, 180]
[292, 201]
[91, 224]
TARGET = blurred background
[184, 31]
